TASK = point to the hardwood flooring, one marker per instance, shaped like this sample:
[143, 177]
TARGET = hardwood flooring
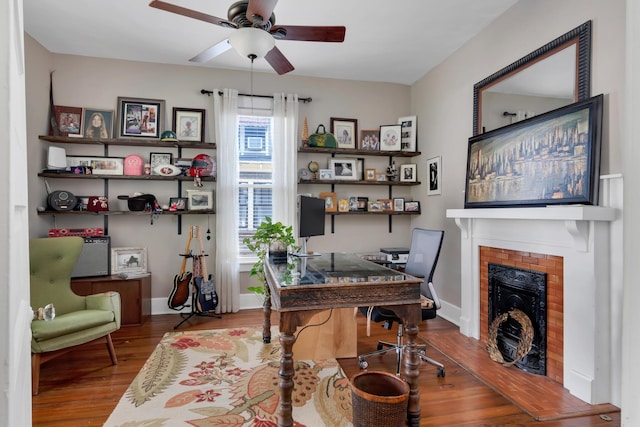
[82, 387]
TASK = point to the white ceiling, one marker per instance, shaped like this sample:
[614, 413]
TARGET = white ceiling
[386, 41]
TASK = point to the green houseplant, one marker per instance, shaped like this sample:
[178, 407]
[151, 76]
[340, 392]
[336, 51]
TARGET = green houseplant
[271, 239]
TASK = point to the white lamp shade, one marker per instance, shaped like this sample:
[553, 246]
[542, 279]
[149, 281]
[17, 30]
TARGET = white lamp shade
[249, 41]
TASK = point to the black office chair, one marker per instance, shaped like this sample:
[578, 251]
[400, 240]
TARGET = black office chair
[422, 261]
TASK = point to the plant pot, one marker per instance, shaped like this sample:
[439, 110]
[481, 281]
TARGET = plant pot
[278, 256]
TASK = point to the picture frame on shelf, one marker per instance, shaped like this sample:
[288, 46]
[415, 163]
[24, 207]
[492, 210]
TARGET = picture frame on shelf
[68, 120]
[344, 169]
[99, 165]
[199, 200]
[381, 176]
[343, 205]
[571, 163]
[408, 133]
[374, 206]
[390, 137]
[140, 117]
[370, 175]
[128, 260]
[413, 206]
[409, 172]
[363, 203]
[177, 203]
[159, 159]
[330, 201]
[188, 124]
[360, 168]
[97, 124]
[387, 205]
[398, 204]
[434, 169]
[326, 174]
[370, 140]
[353, 203]
[345, 131]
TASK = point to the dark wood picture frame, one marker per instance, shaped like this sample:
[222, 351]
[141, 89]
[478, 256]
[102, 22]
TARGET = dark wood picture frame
[188, 124]
[68, 119]
[140, 118]
[550, 159]
[345, 131]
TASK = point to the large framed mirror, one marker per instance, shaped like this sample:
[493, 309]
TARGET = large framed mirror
[554, 75]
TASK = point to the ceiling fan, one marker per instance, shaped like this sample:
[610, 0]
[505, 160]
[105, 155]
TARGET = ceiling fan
[255, 29]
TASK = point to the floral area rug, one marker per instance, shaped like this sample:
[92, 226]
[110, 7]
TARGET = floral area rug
[229, 378]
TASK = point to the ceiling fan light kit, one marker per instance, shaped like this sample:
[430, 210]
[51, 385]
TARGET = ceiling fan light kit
[251, 42]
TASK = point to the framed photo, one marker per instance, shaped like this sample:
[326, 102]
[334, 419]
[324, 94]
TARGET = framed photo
[434, 169]
[345, 131]
[330, 201]
[325, 174]
[128, 260]
[353, 203]
[140, 118]
[360, 168]
[408, 173]
[99, 165]
[381, 176]
[374, 206]
[68, 119]
[390, 137]
[370, 175]
[370, 140]
[97, 124]
[344, 169]
[188, 124]
[398, 204]
[387, 204]
[177, 203]
[343, 205]
[412, 206]
[199, 200]
[550, 159]
[363, 203]
[408, 140]
[157, 159]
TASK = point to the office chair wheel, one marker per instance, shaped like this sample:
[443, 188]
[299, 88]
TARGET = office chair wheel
[440, 372]
[363, 364]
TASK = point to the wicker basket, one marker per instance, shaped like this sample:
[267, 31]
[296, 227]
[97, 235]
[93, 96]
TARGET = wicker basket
[379, 400]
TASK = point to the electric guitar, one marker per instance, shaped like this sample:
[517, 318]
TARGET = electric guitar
[206, 296]
[180, 292]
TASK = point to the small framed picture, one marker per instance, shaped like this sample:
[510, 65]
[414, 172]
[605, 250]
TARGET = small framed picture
[330, 201]
[412, 206]
[370, 175]
[177, 204]
[390, 137]
[387, 205]
[353, 203]
[434, 168]
[408, 136]
[199, 200]
[343, 205]
[97, 124]
[325, 174]
[381, 176]
[345, 131]
[408, 173]
[398, 204]
[188, 124]
[158, 159]
[370, 140]
[128, 260]
[374, 206]
[363, 203]
[68, 119]
[344, 169]
[140, 118]
[99, 165]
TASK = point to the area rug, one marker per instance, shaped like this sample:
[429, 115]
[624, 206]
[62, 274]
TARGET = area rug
[228, 377]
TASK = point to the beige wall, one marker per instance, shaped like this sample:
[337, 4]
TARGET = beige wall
[96, 83]
[443, 101]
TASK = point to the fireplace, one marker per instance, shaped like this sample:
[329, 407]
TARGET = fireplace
[525, 290]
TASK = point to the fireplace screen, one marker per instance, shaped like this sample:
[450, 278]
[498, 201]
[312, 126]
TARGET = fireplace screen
[526, 290]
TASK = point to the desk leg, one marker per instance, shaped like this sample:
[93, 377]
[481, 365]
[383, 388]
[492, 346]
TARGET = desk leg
[286, 372]
[411, 372]
[266, 321]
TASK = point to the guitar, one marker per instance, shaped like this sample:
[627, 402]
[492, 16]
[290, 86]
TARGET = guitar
[206, 296]
[180, 292]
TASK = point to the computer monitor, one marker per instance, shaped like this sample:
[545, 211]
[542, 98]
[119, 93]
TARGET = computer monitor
[311, 217]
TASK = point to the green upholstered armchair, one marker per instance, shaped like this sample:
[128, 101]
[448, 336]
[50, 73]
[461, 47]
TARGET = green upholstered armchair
[79, 320]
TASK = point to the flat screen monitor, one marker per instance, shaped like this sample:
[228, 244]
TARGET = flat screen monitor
[311, 217]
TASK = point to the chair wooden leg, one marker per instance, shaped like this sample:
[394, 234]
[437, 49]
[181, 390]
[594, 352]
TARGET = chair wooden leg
[35, 373]
[112, 351]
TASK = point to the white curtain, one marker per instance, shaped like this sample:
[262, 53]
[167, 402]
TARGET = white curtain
[285, 125]
[227, 265]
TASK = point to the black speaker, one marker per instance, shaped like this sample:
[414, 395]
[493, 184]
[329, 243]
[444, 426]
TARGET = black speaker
[95, 257]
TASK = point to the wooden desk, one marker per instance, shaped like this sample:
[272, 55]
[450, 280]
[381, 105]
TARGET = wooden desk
[305, 286]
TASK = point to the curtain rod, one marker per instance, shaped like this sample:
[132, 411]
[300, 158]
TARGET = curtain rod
[210, 92]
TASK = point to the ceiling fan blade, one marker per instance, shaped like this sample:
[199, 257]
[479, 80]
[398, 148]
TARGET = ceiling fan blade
[260, 8]
[179, 10]
[278, 62]
[212, 51]
[309, 33]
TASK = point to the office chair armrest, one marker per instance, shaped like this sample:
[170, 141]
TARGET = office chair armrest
[434, 295]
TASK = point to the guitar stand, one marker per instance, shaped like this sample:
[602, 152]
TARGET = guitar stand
[187, 316]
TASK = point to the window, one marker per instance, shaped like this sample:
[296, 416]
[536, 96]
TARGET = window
[255, 143]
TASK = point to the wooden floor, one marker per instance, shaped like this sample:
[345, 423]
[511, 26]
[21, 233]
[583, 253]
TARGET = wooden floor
[82, 388]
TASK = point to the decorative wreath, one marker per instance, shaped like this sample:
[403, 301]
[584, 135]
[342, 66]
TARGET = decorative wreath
[526, 336]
